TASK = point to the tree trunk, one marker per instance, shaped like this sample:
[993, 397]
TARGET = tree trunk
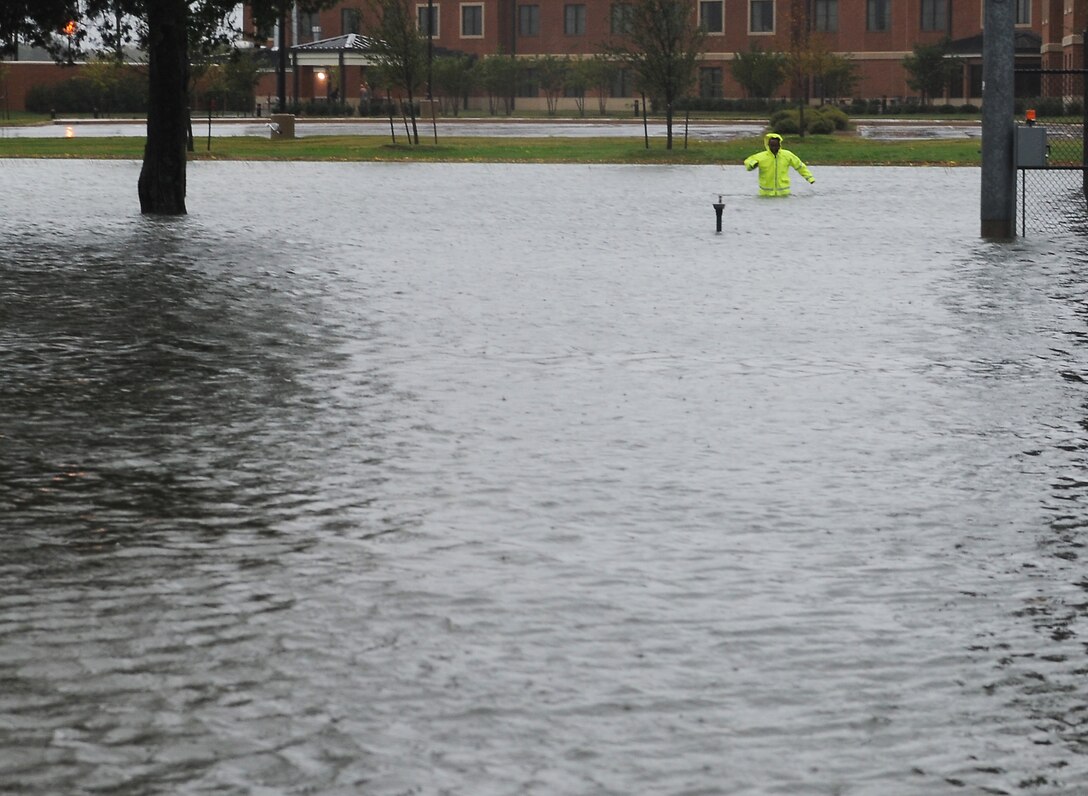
[162, 178]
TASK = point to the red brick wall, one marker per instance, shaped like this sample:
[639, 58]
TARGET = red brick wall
[20, 76]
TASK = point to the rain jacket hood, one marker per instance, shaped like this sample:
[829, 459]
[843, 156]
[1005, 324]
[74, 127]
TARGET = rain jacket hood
[774, 169]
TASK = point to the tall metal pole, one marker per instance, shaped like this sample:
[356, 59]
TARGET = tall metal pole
[1084, 118]
[998, 72]
[430, 45]
[281, 68]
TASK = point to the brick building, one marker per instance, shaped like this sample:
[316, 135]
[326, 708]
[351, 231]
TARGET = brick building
[877, 34]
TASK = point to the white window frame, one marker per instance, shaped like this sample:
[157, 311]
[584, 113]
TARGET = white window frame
[461, 15]
[721, 16]
[421, 10]
[774, 19]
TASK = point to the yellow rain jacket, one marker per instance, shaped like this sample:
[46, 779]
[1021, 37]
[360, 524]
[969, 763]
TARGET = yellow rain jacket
[774, 169]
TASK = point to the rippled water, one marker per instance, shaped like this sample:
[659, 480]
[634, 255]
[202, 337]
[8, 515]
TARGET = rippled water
[478, 479]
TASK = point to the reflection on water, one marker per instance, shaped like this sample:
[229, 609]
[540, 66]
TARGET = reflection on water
[495, 479]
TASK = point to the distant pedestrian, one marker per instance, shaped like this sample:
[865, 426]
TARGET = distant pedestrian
[774, 164]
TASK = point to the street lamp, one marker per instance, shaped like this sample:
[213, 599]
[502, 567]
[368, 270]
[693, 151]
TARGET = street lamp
[70, 31]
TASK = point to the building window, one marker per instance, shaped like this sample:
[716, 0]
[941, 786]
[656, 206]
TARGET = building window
[934, 15]
[528, 20]
[711, 16]
[309, 27]
[528, 84]
[878, 15]
[472, 21]
[351, 20]
[1023, 12]
[621, 18]
[826, 15]
[574, 20]
[427, 17]
[761, 16]
[621, 83]
[710, 82]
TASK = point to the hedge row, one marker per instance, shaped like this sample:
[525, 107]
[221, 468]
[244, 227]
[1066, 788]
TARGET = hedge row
[127, 94]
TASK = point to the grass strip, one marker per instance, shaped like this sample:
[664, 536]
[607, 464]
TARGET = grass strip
[827, 150]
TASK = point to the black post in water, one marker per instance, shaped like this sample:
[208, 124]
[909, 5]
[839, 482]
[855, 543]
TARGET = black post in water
[998, 171]
[718, 207]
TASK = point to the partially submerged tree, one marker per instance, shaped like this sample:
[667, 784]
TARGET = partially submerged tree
[662, 46]
[168, 31]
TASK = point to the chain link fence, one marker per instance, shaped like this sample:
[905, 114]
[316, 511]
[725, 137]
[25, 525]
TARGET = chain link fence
[1052, 198]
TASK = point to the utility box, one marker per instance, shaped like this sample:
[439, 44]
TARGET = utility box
[1030, 147]
[282, 125]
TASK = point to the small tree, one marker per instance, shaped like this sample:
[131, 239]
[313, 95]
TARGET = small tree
[663, 46]
[551, 73]
[454, 77]
[839, 76]
[759, 73]
[578, 80]
[601, 71]
[930, 69]
[401, 50]
[499, 77]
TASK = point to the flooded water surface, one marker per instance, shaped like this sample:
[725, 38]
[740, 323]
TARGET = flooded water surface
[493, 479]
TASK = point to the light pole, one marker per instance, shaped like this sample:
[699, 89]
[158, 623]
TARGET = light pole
[430, 45]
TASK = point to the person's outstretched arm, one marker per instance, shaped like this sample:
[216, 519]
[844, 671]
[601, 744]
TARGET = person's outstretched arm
[802, 169]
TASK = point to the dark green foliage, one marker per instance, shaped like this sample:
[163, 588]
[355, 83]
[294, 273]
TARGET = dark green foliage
[930, 68]
[822, 120]
[837, 116]
[820, 124]
[789, 123]
[127, 95]
[759, 73]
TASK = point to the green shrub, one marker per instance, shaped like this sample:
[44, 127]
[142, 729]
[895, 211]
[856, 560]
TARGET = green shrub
[820, 125]
[788, 124]
[779, 115]
[820, 121]
[126, 94]
[837, 116]
[968, 108]
[946, 109]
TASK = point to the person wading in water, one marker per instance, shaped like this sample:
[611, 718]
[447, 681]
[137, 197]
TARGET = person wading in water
[774, 164]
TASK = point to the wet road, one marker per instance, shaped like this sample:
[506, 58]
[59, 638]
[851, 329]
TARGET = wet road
[490, 128]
